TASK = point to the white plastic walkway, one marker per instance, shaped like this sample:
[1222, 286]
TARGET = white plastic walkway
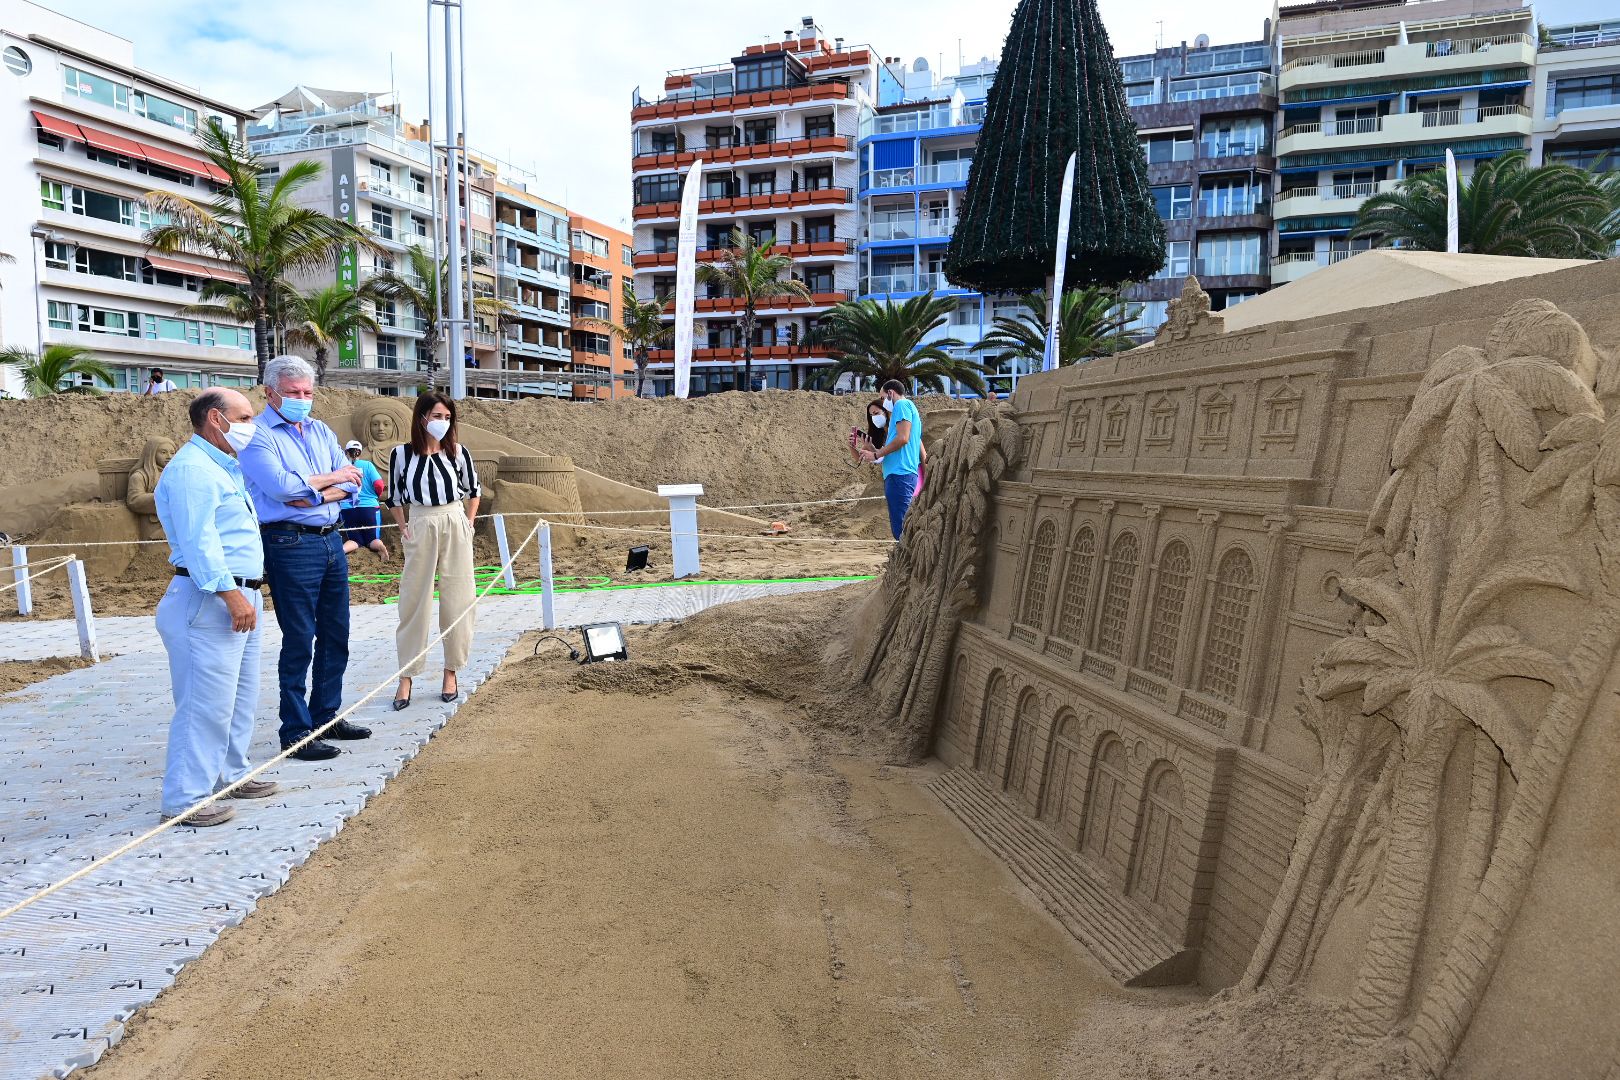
[81, 756]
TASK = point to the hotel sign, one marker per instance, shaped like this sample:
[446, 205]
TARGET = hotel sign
[348, 262]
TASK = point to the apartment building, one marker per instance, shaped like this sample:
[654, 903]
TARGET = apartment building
[915, 153]
[532, 275]
[603, 260]
[776, 128]
[1575, 103]
[1371, 93]
[91, 133]
[1205, 116]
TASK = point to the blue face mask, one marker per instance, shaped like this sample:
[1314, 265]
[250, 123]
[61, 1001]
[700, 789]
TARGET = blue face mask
[296, 410]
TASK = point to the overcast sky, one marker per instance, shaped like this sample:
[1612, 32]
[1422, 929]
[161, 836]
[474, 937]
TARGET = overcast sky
[549, 83]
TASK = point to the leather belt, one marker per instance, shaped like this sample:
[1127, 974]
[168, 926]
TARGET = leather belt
[293, 526]
[245, 582]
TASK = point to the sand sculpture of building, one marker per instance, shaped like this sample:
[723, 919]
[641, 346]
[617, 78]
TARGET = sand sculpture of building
[1285, 657]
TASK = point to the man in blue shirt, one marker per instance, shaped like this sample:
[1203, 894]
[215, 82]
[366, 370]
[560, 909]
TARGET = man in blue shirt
[297, 475]
[209, 616]
[901, 455]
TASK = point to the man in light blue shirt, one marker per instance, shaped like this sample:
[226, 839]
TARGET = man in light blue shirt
[209, 616]
[297, 475]
[901, 455]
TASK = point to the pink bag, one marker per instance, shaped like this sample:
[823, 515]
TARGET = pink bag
[921, 472]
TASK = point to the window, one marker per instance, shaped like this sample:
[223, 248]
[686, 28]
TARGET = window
[818, 279]
[626, 255]
[818, 230]
[818, 178]
[762, 234]
[102, 91]
[165, 111]
[716, 136]
[1033, 609]
[1243, 137]
[481, 204]
[58, 256]
[1173, 201]
[1229, 253]
[1177, 259]
[388, 353]
[716, 236]
[769, 73]
[1071, 625]
[1220, 86]
[106, 264]
[1224, 57]
[1116, 604]
[759, 131]
[719, 186]
[1225, 198]
[1228, 626]
[590, 244]
[1597, 157]
[1105, 799]
[1142, 94]
[664, 142]
[59, 315]
[51, 195]
[1583, 92]
[17, 61]
[380, 170]
[382, 222]
[1169, 601]
[665, 241]
[1136, 69]
[419, 183]
[663, 188]
[762, 183]
[819, 127]
[1162, 148]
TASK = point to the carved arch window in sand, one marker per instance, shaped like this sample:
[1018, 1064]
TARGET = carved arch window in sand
[1021, 742]
[995, 706]
[1169, 605]
[1282, 415]
[1158, 837]
[1062, 764]
[1161, 425]
[1116, 602]
[1228, 625]
[1071, 623]
[1215, 420]
[1116, 421]
[1106, 796]
[1032, 612]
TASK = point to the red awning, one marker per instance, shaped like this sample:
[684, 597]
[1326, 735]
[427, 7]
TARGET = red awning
[117, 144]
[57, 126]
[217, 173]
[176, 266]
[180, 162]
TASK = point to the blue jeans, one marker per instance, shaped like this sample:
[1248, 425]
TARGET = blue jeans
[309, 582]
[214, 677]
[898, 489]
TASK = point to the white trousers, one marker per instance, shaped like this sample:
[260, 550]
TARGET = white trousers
[441, 545]
[214, 676]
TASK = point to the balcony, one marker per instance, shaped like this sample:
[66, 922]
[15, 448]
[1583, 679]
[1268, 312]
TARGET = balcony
[945, 174]
[1436, 125]
[1414, 58]
[385, 189]
[814, 249]
[1294, 265]
[744, 205]
[681, 105]
[905, 284]
[785, 149]
[359, 135]
[1231, 273]
[1329, 199]
[731, 353]
[939, 117]
[410, 324]
[722, 305]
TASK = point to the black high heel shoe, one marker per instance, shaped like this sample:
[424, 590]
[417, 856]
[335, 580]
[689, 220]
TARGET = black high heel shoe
[401, 703]
[453, 694]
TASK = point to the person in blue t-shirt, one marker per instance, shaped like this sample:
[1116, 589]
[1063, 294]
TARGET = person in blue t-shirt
[901, 455]
[362, 514]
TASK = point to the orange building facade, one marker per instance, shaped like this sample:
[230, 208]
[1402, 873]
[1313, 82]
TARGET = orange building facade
[602, 259]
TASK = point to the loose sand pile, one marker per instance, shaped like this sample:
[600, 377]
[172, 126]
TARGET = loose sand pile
[17, 674]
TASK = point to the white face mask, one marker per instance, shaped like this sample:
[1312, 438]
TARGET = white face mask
[239, 435]
[879, 421]
[888, 406]
[437, 428]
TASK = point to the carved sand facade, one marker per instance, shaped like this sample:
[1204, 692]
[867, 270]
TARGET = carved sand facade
[1245, 707]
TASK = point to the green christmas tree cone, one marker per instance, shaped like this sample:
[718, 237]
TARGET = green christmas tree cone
[1058, 91]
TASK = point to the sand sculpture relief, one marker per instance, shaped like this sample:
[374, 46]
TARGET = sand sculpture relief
[1295, 653]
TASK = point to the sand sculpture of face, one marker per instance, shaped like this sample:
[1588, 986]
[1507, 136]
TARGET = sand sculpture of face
[381, 425]
[154, 455]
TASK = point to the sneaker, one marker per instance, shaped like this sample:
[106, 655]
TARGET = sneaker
[253, 789]
[213, 814]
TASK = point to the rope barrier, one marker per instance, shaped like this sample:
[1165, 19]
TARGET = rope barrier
[768, 538]
[57, 565]
[180, 819]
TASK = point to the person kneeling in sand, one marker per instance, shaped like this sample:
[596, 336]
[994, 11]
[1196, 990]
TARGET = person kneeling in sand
[362, 514]
[209, 617]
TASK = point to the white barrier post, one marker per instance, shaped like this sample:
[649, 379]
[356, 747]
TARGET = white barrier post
[683, 526]
[548, 610]
[506, 552]
[81, 611]
[25, 588]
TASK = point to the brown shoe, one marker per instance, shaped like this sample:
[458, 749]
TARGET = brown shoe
[214, 814]
[253, 789]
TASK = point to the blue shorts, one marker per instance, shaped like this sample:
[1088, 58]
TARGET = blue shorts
[362, 524]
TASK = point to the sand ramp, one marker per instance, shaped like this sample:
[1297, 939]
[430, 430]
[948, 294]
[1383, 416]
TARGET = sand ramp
[1088, 907]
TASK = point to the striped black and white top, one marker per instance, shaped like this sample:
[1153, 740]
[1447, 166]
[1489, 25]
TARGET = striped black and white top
[430, 479]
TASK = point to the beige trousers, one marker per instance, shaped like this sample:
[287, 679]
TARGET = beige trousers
[441, 545]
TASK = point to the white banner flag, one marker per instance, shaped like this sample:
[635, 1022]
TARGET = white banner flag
[686, 278]
[1049, 361]
[1451, 201]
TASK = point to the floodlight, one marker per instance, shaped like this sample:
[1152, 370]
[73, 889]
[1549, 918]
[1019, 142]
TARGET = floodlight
[637, 560]
[604, 641]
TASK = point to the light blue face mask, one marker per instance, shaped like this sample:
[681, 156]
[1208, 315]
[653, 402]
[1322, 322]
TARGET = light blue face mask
[296, 410]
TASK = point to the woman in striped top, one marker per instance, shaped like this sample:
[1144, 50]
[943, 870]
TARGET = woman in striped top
[433, 476]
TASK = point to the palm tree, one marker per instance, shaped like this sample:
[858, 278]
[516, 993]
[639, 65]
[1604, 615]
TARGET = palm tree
[259, 231]
[748, 271]
[44, 374]
[886, 341]
[421, 286]
[1091, 323]
[643, 329]
[320, 319]
[1508, 207]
